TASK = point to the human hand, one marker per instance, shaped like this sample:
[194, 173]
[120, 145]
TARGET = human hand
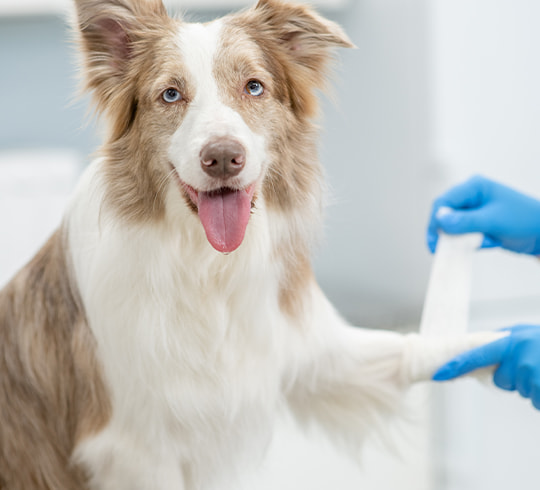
[518, 359]
[507, 218]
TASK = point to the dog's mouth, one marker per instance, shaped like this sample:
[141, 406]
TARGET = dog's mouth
[224, 213]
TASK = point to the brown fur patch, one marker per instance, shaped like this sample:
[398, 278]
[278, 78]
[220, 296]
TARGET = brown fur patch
[298, 277]
[51, 390]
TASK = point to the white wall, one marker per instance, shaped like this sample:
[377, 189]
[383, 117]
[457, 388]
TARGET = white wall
[376, 149]
[34, 190]
[485, 103]
[486, 108]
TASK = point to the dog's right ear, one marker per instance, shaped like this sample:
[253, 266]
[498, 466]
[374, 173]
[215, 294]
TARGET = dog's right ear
[108, 31]
[301, 42]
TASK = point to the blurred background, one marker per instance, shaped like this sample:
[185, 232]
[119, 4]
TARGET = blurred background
[437, 90]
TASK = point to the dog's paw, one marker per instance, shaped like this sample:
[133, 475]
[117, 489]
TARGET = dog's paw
[479, 339]
[423, 356]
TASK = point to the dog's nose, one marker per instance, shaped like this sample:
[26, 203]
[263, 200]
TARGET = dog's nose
[223, 157]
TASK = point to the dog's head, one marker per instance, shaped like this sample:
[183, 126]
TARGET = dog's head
[220, 109]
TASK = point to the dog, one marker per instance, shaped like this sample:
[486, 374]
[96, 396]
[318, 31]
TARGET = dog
[153, 339]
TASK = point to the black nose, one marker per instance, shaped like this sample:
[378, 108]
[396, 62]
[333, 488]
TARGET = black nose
[223, 157]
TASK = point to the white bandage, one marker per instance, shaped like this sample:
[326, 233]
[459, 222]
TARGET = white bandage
[446, 305]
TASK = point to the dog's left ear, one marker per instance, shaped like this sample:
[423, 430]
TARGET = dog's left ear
[302, 42]
[300, 28]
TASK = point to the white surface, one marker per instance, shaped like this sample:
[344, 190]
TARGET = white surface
[39, 7]
[297, 461]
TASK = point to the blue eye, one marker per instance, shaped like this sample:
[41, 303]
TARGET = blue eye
[255, 88]
[171, 95]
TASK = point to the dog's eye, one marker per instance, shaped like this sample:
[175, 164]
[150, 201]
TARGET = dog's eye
[171, 95]
[255, 88]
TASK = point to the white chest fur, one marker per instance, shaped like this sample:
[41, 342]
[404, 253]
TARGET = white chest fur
[188, 341]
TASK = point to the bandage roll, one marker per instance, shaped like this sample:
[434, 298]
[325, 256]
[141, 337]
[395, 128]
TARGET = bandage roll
[446, 304]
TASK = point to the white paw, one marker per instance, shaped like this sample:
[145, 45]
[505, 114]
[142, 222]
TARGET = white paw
[424, 355]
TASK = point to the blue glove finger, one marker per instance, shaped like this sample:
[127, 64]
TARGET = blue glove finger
[521, 330]
[431, 241]
[470, 194]
[468, 221]
[518, 356]
[490, 242]
[432, 234]
[505, 375]
[509, 217]
[525, 355]
[480, 357]
[524, 375]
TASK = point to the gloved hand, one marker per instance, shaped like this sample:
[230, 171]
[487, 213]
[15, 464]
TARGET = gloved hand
[518, 357]
[507, 218]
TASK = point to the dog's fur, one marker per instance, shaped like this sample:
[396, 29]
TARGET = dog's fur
[134, 354]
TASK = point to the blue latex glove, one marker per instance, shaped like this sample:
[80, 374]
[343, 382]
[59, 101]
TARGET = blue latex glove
[507, 218]
[518, 357]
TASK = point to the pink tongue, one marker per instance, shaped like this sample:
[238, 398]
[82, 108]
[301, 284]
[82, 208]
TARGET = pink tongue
[224, 215]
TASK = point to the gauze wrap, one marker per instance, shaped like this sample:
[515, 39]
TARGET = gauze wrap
[446, 305]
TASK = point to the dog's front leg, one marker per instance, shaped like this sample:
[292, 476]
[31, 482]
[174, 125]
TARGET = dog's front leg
[348, 379]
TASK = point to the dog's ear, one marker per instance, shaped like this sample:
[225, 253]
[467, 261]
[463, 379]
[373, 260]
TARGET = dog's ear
[108, 32]
[300, 28]
[304, 41]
